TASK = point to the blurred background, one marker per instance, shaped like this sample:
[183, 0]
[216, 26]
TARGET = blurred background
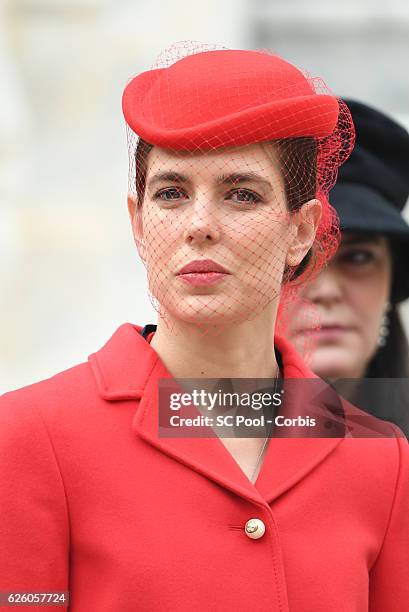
[69, 271]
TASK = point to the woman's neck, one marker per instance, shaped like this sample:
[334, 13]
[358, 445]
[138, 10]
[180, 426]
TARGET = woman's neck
[239, 350]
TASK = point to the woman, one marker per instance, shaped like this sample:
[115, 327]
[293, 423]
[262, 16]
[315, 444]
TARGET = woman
[356, 298]
[236, 152]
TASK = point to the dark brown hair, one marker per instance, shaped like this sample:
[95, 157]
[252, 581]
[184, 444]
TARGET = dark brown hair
[391, 360]
[388, 399]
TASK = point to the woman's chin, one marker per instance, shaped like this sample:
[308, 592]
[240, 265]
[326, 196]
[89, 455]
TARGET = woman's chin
[215, 313]
[332, 362]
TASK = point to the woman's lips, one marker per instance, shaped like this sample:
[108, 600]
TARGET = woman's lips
[203, 272]
[202, 278]
[327, 332]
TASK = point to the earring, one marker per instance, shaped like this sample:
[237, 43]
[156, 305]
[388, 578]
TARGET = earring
[384, 328]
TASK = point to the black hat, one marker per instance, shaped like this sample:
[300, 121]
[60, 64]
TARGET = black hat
[373, 186]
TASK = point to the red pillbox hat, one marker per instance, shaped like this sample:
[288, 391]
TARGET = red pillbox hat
[224, 98]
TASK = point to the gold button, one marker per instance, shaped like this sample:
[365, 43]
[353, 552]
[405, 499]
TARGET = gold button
[255, 528]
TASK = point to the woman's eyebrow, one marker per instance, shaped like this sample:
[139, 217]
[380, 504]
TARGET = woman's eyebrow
[236, 178]
[169, 176]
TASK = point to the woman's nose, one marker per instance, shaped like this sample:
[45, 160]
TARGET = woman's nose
[326, 288]
[202, 224]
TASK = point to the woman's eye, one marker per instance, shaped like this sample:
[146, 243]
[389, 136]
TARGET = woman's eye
[170, 194]
[357, 257]
[243, 196]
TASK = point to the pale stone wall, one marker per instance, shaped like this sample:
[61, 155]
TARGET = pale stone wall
[359, 47]
[69, 271]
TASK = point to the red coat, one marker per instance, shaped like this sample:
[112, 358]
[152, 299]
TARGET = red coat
[94, 502]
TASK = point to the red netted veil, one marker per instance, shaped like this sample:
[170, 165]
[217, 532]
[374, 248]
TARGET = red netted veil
[226, 148]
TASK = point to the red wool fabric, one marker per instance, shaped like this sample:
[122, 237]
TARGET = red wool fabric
[94, 502]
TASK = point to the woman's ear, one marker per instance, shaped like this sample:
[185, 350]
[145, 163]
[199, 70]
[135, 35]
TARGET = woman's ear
[135, 215]
[305, 222]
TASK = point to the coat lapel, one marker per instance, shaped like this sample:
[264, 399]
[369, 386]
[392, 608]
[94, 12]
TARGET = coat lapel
[207, 456]
[127, 368]
[290, 460]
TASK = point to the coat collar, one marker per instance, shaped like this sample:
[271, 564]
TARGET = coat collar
[128, 368]
[124, 365]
